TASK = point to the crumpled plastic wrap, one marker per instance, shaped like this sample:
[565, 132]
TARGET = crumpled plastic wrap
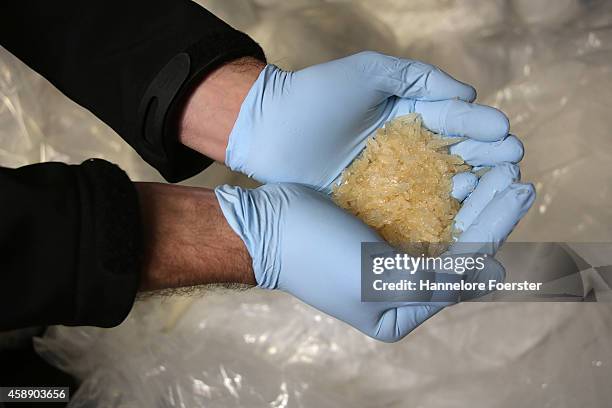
[262, 349]
[547, 63]
[295, 36]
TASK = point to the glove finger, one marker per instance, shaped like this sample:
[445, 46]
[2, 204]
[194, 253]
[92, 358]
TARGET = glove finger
[459, 118]
[493, 181]
[463, 185]
[396, 323]
[412, 79]
[476, 153]
[497, 220]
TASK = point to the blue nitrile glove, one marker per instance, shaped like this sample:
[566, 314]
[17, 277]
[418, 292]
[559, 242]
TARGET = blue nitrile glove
[302, 243]
[307, 126]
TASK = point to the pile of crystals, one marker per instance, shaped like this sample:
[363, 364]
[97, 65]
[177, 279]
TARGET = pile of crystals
[401, 185]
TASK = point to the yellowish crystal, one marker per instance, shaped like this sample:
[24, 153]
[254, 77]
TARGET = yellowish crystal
[401, 185]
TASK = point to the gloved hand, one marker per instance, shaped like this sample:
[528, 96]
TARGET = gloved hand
[307, 126]
[301, 243]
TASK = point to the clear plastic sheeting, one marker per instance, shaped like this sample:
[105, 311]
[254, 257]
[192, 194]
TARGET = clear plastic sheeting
[559, 107]
[264, 358]
[261, 349]
[547, 63]
[295, 37]
[20, 136]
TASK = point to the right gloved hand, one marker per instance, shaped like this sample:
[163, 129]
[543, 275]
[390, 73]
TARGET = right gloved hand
[302, 243]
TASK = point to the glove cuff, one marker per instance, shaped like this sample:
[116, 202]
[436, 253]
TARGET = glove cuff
[243, 134]
[254, 215]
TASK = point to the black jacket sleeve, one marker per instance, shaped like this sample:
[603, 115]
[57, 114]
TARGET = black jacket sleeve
[130, 62]
[69, 245]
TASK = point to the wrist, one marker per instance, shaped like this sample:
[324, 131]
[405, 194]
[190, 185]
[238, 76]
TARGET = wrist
[213, 106]
[187, 240]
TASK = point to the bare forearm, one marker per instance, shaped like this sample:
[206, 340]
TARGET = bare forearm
[187, 240]
[211, 110]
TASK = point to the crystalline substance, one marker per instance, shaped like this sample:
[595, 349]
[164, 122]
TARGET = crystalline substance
[401, 185]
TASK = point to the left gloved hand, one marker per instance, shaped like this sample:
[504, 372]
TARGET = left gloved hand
[307, 126]
[302, 243]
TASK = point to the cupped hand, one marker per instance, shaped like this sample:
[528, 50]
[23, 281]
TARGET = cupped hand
[307, 126]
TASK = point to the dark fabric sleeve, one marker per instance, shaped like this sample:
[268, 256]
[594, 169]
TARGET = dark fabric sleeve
[70, 240]
[130, 62]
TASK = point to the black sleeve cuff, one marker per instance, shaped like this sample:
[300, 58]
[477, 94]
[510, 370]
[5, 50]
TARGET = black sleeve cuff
[70, 239]
[166, 95]
[108, 263]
